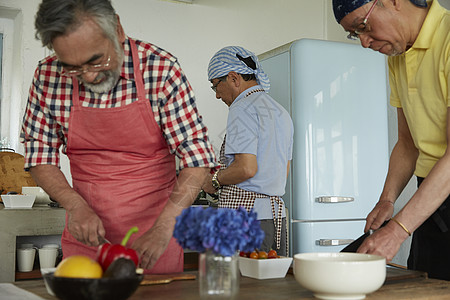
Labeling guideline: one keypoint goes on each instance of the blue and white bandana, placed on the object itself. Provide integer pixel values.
(230, 59)
(342, 8)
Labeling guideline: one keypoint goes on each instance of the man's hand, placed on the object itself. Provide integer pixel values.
(152, 244)
(386, 241)
(83, 222)
(207, 185)
(382, 212)
(85, 225)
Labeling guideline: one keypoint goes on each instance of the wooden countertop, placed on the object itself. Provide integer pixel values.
(400, 284)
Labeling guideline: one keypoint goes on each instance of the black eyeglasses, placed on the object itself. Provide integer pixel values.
(214, 87)
(362, 28)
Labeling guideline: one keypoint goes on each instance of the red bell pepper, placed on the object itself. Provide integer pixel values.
(107, 252)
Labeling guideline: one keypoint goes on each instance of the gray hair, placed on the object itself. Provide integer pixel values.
(59, 17)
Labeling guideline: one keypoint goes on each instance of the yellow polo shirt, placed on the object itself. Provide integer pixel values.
(420, 85)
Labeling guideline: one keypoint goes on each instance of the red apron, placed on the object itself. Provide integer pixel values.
(121, 165)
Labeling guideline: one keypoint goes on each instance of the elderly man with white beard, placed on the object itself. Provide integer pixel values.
(121, 109)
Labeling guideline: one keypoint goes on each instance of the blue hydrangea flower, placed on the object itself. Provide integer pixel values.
(222, 230)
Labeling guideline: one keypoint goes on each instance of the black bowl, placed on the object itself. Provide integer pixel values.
(66, 288)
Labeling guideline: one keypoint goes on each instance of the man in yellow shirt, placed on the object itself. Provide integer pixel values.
(415, 36)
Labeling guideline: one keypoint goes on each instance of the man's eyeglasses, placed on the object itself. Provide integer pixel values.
(214, 87)
(77, 71)
(362, 28)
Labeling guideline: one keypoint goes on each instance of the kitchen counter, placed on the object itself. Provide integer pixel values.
(400, 284)
(37, 221)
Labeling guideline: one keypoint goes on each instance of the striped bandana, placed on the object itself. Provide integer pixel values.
(342, 8)
(232, 59)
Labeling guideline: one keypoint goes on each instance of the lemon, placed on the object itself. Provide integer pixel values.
(79, 266)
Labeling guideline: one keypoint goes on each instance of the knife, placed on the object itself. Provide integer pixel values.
(353, 246)
(103, 240)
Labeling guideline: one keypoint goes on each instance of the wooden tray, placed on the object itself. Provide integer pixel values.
(166, 278)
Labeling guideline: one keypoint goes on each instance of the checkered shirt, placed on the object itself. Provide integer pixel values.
(46, 119)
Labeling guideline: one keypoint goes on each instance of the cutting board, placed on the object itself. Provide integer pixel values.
(396, 272)
(12, 175)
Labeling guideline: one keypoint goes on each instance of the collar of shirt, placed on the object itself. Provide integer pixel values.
(127, 66)
(431, 22)
(242, 95)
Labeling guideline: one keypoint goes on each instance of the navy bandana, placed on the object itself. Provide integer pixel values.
(420, 3)
(342, 8)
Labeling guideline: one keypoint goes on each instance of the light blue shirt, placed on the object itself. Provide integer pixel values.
(258, 125)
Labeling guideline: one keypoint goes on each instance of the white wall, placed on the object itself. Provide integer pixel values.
(191, 32)
(194, 32)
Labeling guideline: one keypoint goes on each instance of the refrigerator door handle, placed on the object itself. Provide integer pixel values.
(334, 199)
(333, 242)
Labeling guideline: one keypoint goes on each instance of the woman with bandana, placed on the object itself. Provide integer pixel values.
(258, 144)
(415, 34)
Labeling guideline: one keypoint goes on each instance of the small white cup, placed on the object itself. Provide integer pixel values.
(25, 259)
(25, 246)
(51, 246)
(47, 257)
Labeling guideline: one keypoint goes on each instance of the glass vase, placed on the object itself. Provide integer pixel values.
(218, 275)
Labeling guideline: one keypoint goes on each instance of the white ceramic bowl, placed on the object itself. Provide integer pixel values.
(18, 201)
(340, 275)
(264, 268)
(42, 198)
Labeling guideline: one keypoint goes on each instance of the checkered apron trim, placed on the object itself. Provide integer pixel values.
(231, 196)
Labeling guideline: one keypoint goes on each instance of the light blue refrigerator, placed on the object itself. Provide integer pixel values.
(337, 96)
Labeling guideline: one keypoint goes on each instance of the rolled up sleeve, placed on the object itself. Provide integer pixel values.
(40, 134)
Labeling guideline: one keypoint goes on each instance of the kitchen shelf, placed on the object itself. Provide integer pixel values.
(35, 274)
(38, 221)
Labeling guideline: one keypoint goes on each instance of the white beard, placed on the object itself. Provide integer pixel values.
(112, 77)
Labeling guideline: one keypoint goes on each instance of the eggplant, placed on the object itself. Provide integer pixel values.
(121, 268)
